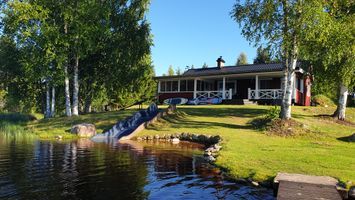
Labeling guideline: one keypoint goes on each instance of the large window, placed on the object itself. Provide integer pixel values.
(173, 86)
(168, 86)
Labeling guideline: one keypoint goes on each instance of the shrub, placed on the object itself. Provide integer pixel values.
(322, 100)
(273, 113)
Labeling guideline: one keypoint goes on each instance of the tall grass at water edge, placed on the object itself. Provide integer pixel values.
(14, 125)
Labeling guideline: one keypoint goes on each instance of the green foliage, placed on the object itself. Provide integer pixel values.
(111, 39)
(171, 71)
(273, 113)
(262, 56)
(242, 59)
(322, 100)
(16, 118)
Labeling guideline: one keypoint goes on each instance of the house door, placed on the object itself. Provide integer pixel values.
(242, 88)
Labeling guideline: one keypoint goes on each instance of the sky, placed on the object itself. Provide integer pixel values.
(194, 32)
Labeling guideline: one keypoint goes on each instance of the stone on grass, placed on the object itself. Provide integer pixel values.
(58, 137)
(175, 140)
(84, 130)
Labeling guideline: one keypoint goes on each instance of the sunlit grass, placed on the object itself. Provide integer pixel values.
(249, 153)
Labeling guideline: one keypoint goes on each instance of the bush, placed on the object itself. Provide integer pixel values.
(273, 113)
(322, 100)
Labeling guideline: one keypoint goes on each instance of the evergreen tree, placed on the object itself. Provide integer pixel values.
(204, 65)
(242, 59)
(262, 56)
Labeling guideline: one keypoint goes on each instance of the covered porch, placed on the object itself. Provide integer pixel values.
(240, 86)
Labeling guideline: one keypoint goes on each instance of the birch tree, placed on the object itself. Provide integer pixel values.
(278, 23)
(329, 42)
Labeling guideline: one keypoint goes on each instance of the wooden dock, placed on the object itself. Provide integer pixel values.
(305, 187)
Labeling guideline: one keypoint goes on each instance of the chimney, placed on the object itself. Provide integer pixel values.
(220, 62)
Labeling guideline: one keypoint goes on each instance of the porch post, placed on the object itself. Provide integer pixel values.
(195, 87)
(224, 88)
(179, 85)
(256, 86)
(159, 86)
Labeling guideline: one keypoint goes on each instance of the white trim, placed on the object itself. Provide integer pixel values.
(179, 85)
(224, 88)
(277, 74)
(257, 86)
(159, 86)
(195, 87)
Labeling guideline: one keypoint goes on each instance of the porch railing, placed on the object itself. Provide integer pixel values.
(215, 94)
(265, 94)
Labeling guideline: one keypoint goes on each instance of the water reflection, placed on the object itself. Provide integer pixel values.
(85, 170)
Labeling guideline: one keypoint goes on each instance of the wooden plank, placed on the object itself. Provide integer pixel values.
(321, 180)
(289, 190)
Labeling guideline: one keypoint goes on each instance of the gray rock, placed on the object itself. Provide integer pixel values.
(84, 130)
(215, 139)
(210, 158)
(175, 140)
(58, 137)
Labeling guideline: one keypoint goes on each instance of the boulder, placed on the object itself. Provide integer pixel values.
(175, 140)
(84, 130)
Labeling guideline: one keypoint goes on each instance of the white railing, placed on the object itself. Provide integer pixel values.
(265, 94)
(214, 94)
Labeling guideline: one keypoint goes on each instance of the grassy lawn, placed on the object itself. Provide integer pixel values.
(251, 153)
(49, 128)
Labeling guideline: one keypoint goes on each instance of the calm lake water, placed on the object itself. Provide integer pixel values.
(81, 169)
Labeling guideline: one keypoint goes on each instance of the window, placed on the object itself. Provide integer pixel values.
(183, 85)
(169, 86)
(174, 86)
(162, 86)
(190, 85)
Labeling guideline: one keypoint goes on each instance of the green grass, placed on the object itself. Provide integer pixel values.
(20, 125)
(249, 153)
(49, 128)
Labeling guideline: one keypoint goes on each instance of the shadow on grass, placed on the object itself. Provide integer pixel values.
(350, 138)
(179, 120)
(246, 112)
(102, 121)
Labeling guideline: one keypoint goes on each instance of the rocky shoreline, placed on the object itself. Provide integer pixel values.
(213, 143)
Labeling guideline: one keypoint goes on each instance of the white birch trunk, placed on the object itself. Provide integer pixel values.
(53, 102)
(343, 97)
(76, 87)
(287, 100)
(67, 92)
(47, 113)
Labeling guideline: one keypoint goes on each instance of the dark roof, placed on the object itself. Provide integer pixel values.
(241, 69)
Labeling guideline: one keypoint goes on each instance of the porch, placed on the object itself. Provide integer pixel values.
(252, 87)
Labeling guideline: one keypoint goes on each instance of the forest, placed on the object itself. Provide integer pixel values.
(62, 57)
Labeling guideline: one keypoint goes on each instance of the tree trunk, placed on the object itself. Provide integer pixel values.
(47, 113)
(343, 97)
(76, 87)
(53, 102)
(67, 92)
(88, 104)
(287, 100)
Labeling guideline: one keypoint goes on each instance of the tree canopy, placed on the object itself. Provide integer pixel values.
(242, 59)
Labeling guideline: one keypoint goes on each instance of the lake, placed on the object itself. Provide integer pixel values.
(81, 169)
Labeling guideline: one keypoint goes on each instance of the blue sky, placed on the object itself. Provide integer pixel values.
(192, 32)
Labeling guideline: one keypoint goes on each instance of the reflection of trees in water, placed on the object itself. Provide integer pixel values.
(71, 170)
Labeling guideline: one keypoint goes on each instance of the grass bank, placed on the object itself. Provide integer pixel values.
(250, 153)
(21, 125)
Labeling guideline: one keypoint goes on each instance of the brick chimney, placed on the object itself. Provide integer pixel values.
(220, 62)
